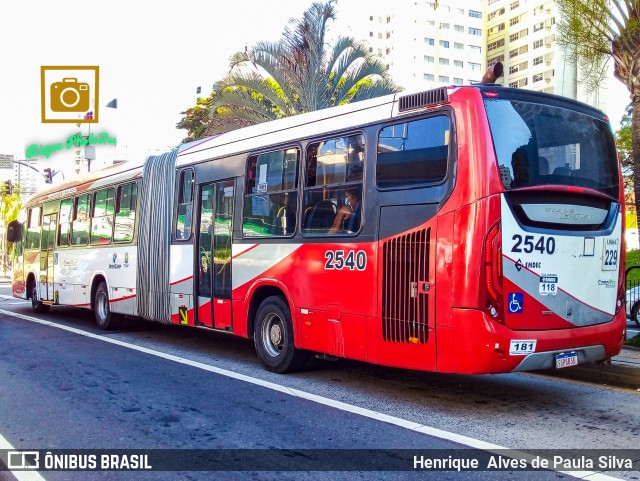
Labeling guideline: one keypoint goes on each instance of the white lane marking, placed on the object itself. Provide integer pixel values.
(2, 296)
(368, 413)
(19, 475)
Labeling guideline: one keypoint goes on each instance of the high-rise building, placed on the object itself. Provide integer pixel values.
(30, 180)
(522, 35)
(423, 46)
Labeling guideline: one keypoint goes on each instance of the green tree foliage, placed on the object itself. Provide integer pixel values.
(11, 204)
(299, 73)
(596, 31)
(195, 119)
(623, 141)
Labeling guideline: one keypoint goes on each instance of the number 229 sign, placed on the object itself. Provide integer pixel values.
(610, 255)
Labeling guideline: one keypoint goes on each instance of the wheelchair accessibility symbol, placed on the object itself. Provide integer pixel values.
(516, 301)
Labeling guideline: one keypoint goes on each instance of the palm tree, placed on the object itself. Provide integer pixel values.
(294, 75)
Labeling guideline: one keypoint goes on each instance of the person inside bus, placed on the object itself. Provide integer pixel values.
(543, 165)
(347, 218)
(520, 166)
(205, 274)
(355, 160)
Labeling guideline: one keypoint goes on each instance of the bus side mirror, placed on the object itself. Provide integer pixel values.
(493, 73)
(14, 231)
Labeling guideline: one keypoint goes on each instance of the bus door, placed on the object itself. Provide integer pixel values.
(47, 256)
(413, 160)
(213, 255)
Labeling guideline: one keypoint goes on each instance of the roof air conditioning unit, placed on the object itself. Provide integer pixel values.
(548, 44)
(548, 62)
(548, 80)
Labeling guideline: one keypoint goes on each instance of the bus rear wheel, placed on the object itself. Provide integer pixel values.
(36, 304)
(274, 337)
(105, 319)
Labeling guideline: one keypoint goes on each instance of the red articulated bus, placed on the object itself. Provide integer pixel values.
(473, 229)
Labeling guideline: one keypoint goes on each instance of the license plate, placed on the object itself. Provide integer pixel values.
(566, 360)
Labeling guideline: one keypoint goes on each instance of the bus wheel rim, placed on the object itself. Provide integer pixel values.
(101, 306)
(273, 334)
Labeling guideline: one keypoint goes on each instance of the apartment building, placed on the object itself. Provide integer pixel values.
(522, 35)
(30, 180)
(423, 46)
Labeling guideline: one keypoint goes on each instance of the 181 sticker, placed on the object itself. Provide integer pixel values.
(521, 347)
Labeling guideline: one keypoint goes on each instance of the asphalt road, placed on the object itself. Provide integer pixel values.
(61, 389)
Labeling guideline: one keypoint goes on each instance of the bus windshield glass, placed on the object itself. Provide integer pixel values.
(540, 144)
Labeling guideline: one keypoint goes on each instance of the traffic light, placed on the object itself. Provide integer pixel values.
(48, 175)
(7, 187)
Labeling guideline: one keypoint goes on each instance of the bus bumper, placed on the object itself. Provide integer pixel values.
(477, 344)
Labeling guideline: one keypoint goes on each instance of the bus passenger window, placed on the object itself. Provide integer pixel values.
(80, 224)
(64, 225)
(271, 197)
(125, 213)
(414, 153)
(102, 218)
(184, 213)
(333, 190)
(33, 229)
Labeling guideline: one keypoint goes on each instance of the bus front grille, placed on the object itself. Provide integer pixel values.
(405, 288)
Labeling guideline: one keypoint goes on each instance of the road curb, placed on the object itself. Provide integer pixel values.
(614, 374)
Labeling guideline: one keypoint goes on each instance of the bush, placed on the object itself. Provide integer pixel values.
(634, 341)
(633, 259)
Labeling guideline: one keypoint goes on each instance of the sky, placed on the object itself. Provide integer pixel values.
(152, 57)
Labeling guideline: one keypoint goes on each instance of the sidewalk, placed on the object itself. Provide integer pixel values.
(622, 371)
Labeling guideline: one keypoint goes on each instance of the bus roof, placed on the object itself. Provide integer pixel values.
(87, 181)
(289, 129)
(534, 96)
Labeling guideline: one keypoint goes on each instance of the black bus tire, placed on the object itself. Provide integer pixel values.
(274, 337)
(37, 305)
(105, 319)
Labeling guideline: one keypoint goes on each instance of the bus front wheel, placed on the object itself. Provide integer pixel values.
(274, 337)
(105, 319)
(36, 304)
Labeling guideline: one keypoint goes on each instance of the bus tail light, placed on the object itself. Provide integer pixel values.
(622, 285)
(493, 272)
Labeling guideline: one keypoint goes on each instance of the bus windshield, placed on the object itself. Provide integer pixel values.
(540, 144)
